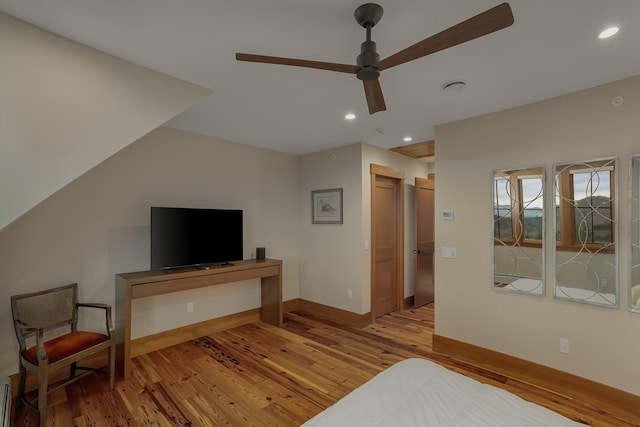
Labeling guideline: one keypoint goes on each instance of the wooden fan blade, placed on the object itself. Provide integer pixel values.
(343, 68)
(373, 92)
(485, 23)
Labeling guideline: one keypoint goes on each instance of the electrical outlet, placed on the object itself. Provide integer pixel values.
(350, 294)
(564, 345)
(189, 307)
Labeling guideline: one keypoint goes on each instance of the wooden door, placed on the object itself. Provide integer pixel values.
(387, 242)
(424, 252)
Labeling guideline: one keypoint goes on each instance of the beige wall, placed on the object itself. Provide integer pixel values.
(98, 226)
(334, 258)
(604, 342)
(65, 107)
(332, 255)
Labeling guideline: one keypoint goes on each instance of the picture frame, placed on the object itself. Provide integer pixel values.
(326, 206)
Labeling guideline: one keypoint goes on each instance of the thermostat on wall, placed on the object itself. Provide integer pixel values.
(447, 215)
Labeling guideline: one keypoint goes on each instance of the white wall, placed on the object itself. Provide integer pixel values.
(334, 258)
(604, 342)
(98, 226)
(65, 107)
(332, 255)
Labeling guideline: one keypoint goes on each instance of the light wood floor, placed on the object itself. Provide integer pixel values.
(260, 375)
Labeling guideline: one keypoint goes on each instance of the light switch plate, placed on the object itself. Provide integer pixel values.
(448, 252)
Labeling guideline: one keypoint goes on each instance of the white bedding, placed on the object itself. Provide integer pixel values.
(523, 284)
(417, 392)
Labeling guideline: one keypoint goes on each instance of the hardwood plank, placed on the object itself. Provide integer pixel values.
(166, 404)
(165, 339)
(259, 375)
(292, 405)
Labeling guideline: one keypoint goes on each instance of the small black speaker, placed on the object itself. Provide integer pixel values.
(260, 254)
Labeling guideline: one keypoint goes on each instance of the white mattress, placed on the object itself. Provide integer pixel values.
(417, 392)
(523, 284)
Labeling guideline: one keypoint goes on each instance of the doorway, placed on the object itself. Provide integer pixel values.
(387, 240)
(424, 235)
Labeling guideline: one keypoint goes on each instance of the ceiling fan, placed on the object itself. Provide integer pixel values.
(368, 65)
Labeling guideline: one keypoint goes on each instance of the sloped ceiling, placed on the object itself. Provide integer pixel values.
(551, 49)
(65, 107)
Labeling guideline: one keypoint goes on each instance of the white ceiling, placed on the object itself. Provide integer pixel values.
(551, 49)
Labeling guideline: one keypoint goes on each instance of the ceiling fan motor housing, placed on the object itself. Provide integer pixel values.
(367, 58)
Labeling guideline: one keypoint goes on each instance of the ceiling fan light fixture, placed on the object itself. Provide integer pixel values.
(454, 86)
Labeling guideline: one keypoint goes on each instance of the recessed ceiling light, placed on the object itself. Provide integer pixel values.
(454, 85)
(407, 139)
(609, 32)
(349, 116)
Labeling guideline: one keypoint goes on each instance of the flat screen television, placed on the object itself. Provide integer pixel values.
(191, 236)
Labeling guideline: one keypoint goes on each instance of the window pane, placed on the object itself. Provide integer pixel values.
(593, 214)
(532, 206)
(502, 209)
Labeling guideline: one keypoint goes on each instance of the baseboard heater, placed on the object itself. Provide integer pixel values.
(5, 401)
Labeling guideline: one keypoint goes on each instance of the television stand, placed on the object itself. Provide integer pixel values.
(141, 284)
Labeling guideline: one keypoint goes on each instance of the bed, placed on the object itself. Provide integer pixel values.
(418, 392)
(521, 284)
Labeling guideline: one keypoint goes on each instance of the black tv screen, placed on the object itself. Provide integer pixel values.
(189, 236)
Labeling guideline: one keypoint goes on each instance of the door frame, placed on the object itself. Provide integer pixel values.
(398, 177)
(426, 182)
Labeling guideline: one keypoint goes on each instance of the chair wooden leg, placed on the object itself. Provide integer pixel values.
(112, 366)
(22, 381)
(72, 370)
(43, 386)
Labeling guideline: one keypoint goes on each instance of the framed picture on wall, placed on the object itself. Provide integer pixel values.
(326, 206)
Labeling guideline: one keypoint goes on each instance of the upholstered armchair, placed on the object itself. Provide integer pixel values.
(35, 317)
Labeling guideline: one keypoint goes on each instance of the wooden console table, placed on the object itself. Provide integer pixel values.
(141, 284)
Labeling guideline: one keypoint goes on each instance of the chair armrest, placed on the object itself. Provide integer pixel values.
(106, 308)
(26, 327)
(93, 305)
(39, 332)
